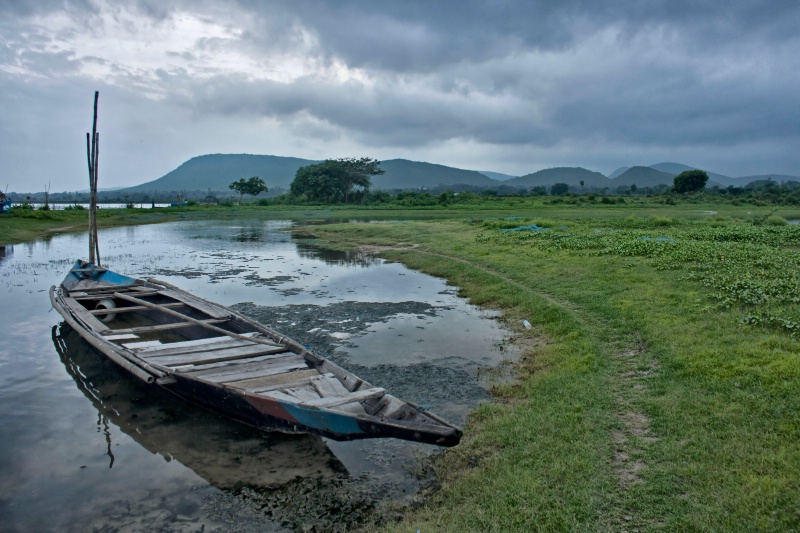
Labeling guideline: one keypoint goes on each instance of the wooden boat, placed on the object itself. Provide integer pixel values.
(218, 449)
(220, 359)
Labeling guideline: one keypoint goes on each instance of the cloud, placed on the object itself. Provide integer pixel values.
(511, 86)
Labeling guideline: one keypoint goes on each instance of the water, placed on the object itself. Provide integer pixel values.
(85, 446)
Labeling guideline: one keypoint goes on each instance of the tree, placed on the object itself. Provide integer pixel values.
(559, 188)
(254, 186)
(690, 180)
(334, 178)
(357, 173)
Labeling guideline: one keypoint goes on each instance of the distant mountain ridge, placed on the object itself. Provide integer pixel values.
(216, 172)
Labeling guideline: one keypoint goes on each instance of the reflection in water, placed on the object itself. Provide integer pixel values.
(307, 250)
(5, 252)
(225, 453)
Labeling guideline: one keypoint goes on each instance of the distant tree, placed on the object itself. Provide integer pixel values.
(634, 188)
(320, 182)
(335, 178)
(690, 180)
(581, 186)
(254, 186)
(559, 188)
(358, 173)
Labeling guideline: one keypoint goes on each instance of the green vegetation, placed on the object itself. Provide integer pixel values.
(253, 186)
(690, 181)
(660, 386)
(334, 180)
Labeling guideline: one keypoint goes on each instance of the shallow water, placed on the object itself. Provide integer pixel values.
(85, 446)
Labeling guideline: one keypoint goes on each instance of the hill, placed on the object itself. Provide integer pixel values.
(572, 176)
(405, 174)
(617, 172)
(497, 175)
(713, 177)
(641, 177)
(217, 171)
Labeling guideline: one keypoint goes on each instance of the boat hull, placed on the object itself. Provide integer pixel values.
(231, 364)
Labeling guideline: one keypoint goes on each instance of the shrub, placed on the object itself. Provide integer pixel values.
(776, 220)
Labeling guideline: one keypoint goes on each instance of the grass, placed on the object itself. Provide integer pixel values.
(649, 398)
(660, 387)
(24, 226)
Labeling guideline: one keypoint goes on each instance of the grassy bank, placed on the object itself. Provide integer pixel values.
(23, 226)
(661, 385)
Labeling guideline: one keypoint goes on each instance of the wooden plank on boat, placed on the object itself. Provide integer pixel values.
(302, 380)
(228, 354)
(303, 393)
(165, 327)
(360, 396)
(198, 353)
(132, 308)
(203, 323)
(201, 345)
(118, 338)
(83, 314)
(271, 370)
(253, 385)
(329, 386)
(198, 303)
(108, 294)
(241, 365)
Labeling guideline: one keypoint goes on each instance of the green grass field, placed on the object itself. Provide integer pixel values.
(660, 389)
(660, 385)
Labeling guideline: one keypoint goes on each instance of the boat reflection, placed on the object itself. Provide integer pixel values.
(227, 454)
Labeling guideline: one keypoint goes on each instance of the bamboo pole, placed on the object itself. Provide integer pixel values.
(92, 149)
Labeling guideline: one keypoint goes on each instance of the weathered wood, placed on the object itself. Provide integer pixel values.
(198, 322)
(189, 369)
(298, 382)
(167, 327)
(304, 394)
(329, 386)
(278, 379)
(271, 370)
(358, 396)
(236, 366)
(83, 314)
(199, 346)
(104, 295)
(216, 356)
(197, 303)
(131, 309)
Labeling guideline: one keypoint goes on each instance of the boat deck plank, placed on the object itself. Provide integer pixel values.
(201, 305)
(198, 345)
(358, 396)
(216, 356)
(327, 385)
(222, 364)
(253, 385)
(164, 327)
(271, 370)
(243, 366)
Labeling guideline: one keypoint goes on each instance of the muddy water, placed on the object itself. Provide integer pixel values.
(83, 446)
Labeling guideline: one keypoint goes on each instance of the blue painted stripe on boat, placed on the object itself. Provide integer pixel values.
(327, 420)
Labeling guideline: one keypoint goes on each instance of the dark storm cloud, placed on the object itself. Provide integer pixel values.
(420, 35)
(574, 82)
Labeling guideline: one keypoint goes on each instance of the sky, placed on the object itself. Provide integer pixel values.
(504, 86)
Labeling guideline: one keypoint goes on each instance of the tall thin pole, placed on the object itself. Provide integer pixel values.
(92, 152)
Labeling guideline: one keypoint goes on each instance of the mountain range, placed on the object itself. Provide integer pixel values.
(215, 172)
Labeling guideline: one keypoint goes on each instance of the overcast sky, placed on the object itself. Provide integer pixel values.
(506, 86)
